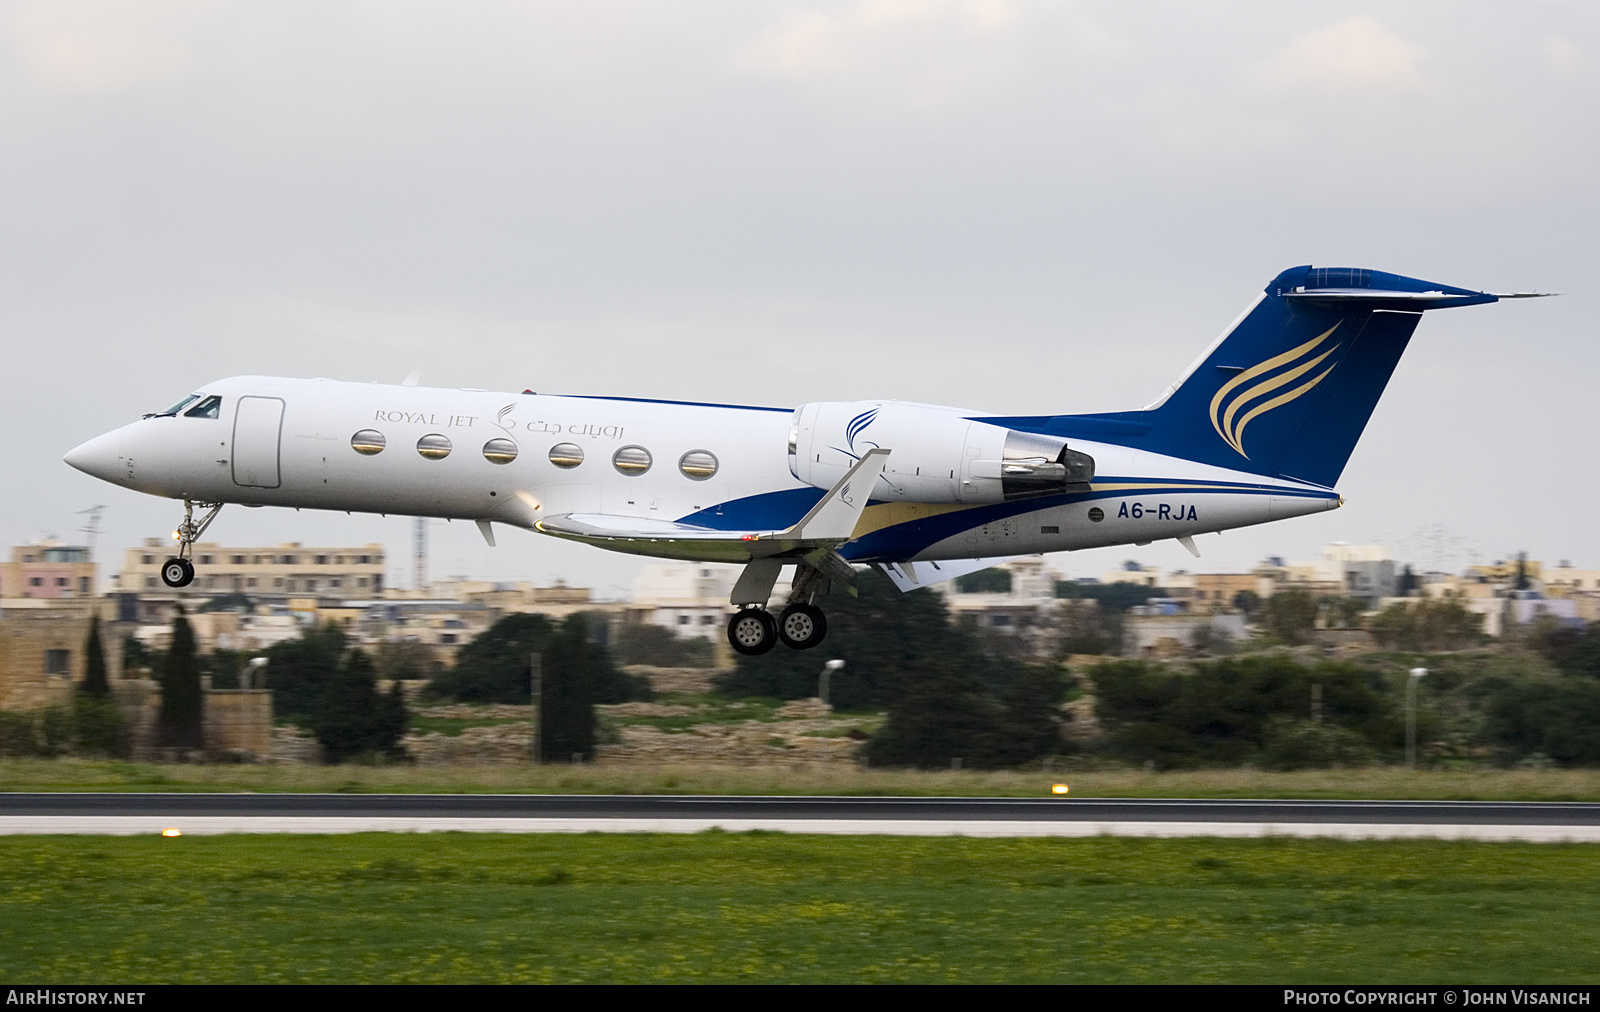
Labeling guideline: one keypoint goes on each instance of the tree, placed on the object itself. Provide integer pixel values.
(494, 667)
(352, 719)
(941, 712)
(94, 662)
(1289, 615)
(298, 669)
(1408, 582)
(880, 634)
(96, 717)
(566, 713)
(178, 725)
(647, 643)
(1030, 718)
(1555, 718)
(1221, 712)
(1427, 625)
(1247, 601)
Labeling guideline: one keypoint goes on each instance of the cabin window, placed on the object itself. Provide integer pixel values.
(434, 446)
(499, 451)
(368, 442)
(631, 460)
(566, 455)
(698, 464)
(211, 407)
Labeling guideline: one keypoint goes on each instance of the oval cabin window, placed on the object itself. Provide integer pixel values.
(368, 442)
(631, 460)
(434, 446)
(566, 455)
(698, 464)
(499, 451)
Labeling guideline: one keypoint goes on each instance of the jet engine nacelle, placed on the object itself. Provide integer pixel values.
(938, 454)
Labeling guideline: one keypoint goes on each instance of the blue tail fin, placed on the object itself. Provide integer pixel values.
(1287, 391)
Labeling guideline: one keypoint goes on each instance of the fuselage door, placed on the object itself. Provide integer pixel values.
(257, 429)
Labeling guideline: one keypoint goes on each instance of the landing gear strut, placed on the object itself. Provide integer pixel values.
(178, 571)
(800, 626)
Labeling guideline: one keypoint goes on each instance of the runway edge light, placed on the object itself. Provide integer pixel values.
(1058, 788)
(171, 831)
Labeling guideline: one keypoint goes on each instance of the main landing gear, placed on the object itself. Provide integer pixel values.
(800, 626)
(178, 571)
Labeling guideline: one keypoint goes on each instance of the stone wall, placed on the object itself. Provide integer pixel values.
(688, 681)
(238, 722)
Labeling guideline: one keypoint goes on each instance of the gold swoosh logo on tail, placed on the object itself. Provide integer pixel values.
(1229, 401)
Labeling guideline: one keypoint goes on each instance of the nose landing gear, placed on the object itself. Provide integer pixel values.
(178, 571)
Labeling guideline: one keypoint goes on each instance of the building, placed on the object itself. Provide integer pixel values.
(690, 598)
(283, 571)
(50, 570)
(42, 652)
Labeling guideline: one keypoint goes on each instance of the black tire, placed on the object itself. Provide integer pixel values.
(752, 632)
(177, 572)
(802, 626)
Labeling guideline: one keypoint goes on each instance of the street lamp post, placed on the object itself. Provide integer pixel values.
(536, 691)
(1417, 675)
(822, 680)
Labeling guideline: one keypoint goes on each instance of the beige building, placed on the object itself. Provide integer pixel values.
(42, 652)
(48, 569)
(286, 570)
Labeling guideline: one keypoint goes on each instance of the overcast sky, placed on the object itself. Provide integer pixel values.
(1018, 207)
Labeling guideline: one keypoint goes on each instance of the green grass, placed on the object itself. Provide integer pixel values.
(772, 907)
(801, 778)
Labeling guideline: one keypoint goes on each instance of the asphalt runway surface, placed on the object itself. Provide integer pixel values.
(530, 813)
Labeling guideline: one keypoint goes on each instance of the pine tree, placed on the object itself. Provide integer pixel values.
(96, 717)
(569, 669)
(352, 719)
(94, 667)
(178, 725)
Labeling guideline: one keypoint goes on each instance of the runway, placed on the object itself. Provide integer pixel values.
(204, 814)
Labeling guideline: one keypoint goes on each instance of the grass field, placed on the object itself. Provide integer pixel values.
(89, 775)
(773, 907)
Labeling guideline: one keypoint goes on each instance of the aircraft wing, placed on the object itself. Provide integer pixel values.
(911, 575)
(830, 523)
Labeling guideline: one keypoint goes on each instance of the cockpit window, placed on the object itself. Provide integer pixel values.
(176, 407)
(208, 408)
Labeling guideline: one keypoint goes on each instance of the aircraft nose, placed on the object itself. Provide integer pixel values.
(99, 457)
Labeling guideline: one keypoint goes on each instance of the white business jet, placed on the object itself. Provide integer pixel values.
(1259, 428)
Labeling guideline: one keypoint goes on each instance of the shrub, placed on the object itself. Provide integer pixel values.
(644, 643)
(1427, 625)
(1301, 744)
(19, 735)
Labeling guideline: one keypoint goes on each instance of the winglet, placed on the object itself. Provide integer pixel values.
(834, 516)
